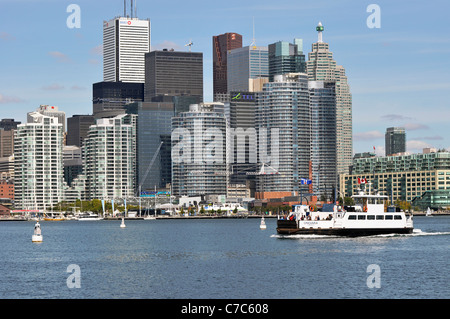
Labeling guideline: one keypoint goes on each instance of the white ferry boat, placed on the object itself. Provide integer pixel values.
(88, 216)
(367, 217)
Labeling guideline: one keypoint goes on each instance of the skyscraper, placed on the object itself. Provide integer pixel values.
(323, 137)
(283, 105)
(395, 140)
(322, 67)
(173, 73)
(110, 158)
(285, 57)
(125, 42)
(246, 64)
(38, 167)
(77, 129)
(153, 127)
(199, 164)
(109, 98)
(221, 45)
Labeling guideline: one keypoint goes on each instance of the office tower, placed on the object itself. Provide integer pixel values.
(199, 152)
(154, 166)
(38, 167)
(323, 138)
(244, 64)
(73, 163)
(8, 124)
(322, 67)
(52, 111)
(221, 45)
(285, 57)
(77, 129)
(240, 113)
(172, 73)
(125, 42)
(283, 110)
(109, 98)
(395, 140)
(6, 142)
(110, 158)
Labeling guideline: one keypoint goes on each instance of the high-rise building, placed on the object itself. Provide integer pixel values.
(246, 64)
(240, 113)
(8, 124)
(73, 163)
(283, 110)
(199, 165)
(221, 45)
(285, 57)
(110, 158)
(125, 42)
(77, 129)
(173, 73)
(154, 166)
(395, 140)
(109, 98)
(38, 166)
(323, 138)
(52, 111)
(322, 67)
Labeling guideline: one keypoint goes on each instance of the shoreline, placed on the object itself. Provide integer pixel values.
(160, 217)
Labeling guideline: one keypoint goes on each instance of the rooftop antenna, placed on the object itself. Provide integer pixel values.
(190, 44)
(132, 9)
(124, 8)
(135, 8)
(253, 44)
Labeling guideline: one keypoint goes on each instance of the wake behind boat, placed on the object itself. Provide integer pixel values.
(367, 217)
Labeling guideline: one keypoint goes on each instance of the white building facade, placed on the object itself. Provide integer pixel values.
(125, 42)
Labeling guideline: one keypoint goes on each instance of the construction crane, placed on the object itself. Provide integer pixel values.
(190, 44)
(148, 168)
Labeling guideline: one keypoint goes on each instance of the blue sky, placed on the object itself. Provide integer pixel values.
(399, 74)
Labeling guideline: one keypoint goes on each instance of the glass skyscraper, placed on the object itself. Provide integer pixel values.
(246, 63)
(199, 164)
(285, 57)
(323, 137)
(153, 127)
(322, 67)
(283, 106)
(395, 140)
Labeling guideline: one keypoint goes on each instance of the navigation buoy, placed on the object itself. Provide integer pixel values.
(123, 223)
(37, 235)
(263, 223)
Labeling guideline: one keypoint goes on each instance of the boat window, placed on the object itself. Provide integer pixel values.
(397, 216)
(380, 217)
(371, 217)
(353, 217)
(361, 217)
(388, 217)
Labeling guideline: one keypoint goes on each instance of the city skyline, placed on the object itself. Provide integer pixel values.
(397, 73)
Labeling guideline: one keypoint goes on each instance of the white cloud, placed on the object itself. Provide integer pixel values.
(59, 56)
(367, 136)
(166, 44)
(53, 87)
(415, 126)
(9, 99)
(416, 146)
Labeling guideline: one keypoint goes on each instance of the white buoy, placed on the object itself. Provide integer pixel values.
(37, 235)
(263, 223)
(123, 223)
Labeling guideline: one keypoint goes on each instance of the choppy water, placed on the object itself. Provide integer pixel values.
(223, 258)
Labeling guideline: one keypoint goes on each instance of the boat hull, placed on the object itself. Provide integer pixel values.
(36, 238)
(290, 228)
